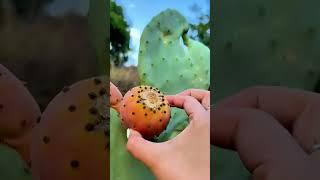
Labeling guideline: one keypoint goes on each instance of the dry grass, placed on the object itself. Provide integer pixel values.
(124, 78)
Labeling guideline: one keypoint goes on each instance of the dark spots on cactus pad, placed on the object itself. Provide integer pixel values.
(147, 42)
(273, 43)
(89, 127)
(92, 95)
(163, 59)
(72, 108)
(97, 81)
(65, 89)
(167, 32)
(74, 164)
(311, 33)
(262, 11)
(228, 45)
(46, 139)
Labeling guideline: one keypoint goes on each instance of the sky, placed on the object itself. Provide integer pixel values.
(139, 12)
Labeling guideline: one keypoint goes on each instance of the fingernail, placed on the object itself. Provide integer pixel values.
(128, 133)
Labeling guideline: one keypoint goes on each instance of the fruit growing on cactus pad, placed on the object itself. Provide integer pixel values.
(71, 141)
(145, 109)
(115, 96)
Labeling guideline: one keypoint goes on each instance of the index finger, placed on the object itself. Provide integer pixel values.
(188, 103)
(201, 95)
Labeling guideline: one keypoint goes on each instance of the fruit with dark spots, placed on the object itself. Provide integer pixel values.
(71, 141)
(18, 113)
(146, 110)
(115, 96)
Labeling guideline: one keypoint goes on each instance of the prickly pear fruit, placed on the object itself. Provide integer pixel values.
(115, 96)
(18, 113)
(169, 59)
(71, 142)
(12, 165)
(145, 109)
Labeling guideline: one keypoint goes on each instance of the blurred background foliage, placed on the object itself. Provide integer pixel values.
(44, 49)
(120, 35)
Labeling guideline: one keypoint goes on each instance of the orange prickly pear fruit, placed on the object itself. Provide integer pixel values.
(71, 142)
(18, 113)
(145, 109)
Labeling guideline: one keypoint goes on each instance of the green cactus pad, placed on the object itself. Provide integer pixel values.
(168, 59)
(178, 121)
(12, 166)
(123, 165)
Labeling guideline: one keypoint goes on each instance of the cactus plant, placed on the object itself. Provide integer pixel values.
(12, 166)
(172, 62)
(18, 111)
(169, 59)
(123, 165)
(71, 140)
(145, 109)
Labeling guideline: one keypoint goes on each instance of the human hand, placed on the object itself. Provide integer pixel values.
(273, 129)
(187, 156)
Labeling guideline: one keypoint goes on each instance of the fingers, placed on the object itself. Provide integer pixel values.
(256, 135)
(201, 95)
(283, 103)
(188, 103)
(141, 149)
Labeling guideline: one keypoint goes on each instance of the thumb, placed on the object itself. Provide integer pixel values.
(142, 149)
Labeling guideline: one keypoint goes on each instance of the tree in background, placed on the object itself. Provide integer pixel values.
(201, 30)
(119, 35)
